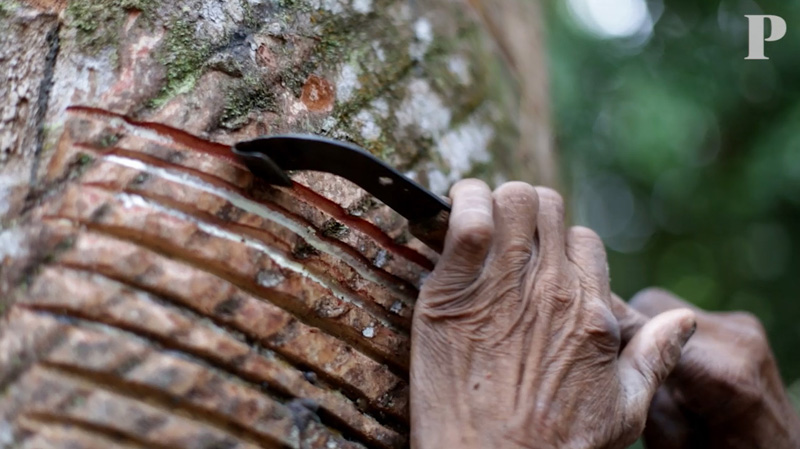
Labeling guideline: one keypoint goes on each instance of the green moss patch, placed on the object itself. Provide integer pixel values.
(184, 57)
(98, 22)
(250, 94)
(7, 6)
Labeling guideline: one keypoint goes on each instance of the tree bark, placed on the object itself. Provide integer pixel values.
(153, 293)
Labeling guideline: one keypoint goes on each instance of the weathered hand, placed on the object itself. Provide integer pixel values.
(726, 392)
(514, 343)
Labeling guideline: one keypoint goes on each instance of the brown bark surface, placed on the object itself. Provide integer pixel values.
(154, 294)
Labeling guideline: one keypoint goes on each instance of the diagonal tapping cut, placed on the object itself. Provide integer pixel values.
(404, 291)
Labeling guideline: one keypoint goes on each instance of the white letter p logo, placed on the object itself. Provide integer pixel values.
(756, 37)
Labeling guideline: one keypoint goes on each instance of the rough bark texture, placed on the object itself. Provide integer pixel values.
(153, 293)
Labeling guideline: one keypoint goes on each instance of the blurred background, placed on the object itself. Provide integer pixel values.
(684, 156)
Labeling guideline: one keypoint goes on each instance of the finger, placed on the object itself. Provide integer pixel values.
(515, 208)
(651, 355)
(629, 319)
(550, 223)
(470, 230)
(667, 427)
(652, 301)
(587, 253)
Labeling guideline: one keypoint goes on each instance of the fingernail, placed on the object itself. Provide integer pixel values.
(688, 328)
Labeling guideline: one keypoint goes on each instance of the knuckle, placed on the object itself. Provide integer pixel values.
(747, 328)
(748, 320)
(733, 392)
(473, 235)
(550, 197)
(445, 282)
(467, 186)
(553, 292)
(602, 327)
(518, 247)
(437, 302)
(458, 301)
(582, 234)
(516, 190)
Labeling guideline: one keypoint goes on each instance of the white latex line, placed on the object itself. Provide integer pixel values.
(307, 232)
(250, 206)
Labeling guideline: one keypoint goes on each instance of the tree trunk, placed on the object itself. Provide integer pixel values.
(153, 293)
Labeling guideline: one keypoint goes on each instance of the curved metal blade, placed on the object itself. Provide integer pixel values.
(269, 157)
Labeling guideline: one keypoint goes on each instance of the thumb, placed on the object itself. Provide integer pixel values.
(651, 355)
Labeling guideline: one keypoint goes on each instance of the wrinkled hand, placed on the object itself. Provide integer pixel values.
(514, 343)
(726, 392)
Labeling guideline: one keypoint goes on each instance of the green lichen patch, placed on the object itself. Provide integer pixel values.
(7, 7)
(243, 97)
(227, 64)
(108, 140)
(289, 4)
(139, 180)
(184, 57)
(335, 41)
(98, 22)
(61, 247)
(377, 49)
(295, 78)
(334, 229)
(84, 159)
(250, 14)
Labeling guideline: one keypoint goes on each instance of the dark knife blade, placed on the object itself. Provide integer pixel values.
(270, 157)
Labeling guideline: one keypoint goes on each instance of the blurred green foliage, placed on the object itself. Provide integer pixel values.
(685, 157)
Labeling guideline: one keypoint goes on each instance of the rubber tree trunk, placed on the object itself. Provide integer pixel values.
(155, 295)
